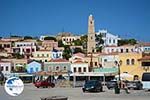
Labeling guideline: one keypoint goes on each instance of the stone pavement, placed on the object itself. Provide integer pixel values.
(32, 93)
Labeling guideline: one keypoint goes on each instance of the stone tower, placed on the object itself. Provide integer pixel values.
(91, 35)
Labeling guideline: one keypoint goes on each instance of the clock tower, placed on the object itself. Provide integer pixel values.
(91, 35)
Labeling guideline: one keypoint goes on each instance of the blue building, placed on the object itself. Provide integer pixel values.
(56, 54)
(33, 66)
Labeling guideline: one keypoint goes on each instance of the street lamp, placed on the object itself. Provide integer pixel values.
(119, 63)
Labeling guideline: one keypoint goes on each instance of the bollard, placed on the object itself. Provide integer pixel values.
(117, 89)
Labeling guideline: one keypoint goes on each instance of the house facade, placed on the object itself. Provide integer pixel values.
(49, 44)
(107, 60)
(56, 54)
(18, 65)
(6, 68)
(67, 40)
(109, 39)
(57, 66)
(25, 48)
(33, 67)
(5, 46)
(119, 49)
(130, 63)
(79, 66)
(41, 55)
(145, 63)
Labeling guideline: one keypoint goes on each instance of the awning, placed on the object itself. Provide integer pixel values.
(106, 70)
(87, 74)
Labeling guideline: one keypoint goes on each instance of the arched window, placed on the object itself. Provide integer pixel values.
(64, 67)
(132, 61)
(128, 62)
(57, 68)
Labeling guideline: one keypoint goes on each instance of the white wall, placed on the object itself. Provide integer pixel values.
(77, 65)
(6, 64)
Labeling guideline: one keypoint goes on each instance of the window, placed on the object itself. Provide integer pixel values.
(131, 50)
(132, 61)
(84, 69)
(128, 62)
(64, 67)
(31, 70)
(95, 63)
(57, 68)
(105, 60)
(47, 55)
(127, 50)
(75, 70)
(37, 55)
(32, 50)
(114, 41)
(79, 69)
(6, 68)
(91, 37)
(12, 68)
(37, 69)
(112, 50)
(45, 60)
(109, 40)
(1, 68)
(121, 50)
(42, 55)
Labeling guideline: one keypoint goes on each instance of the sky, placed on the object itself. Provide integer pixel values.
(126, 18)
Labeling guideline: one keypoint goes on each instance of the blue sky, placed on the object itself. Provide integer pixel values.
(127, 18)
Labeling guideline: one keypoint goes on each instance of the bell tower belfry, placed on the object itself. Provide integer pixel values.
(91, 35)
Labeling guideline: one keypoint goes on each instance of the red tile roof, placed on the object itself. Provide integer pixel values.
(113, 53)
(59, 60)
(78, 61)
(145, 58)
(79, 54)
(146, 44)
(112, 46)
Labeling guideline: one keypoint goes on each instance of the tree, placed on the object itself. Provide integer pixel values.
(60, 44)
(15, 36)
(100, 42)
(77, 42)
(50, 38)
(17, 55)
(127, 41)
(77, 50)
(27, 37)
(67, 52)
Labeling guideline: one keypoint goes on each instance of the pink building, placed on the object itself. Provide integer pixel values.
(49, 44)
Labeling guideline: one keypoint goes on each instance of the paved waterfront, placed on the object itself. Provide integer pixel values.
(32, 93)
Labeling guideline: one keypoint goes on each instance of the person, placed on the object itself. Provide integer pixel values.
(126, 88)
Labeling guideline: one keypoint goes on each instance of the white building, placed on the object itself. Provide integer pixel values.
(107, 60)
(143, 47)
(78, 64)
(56, 54)
(6, 67)
(79, 67)
(42, 55)
(67, 40)
(109, 39)
(119, 49)
(24, 47)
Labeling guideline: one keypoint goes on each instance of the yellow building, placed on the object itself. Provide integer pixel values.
(131, 64)
(42, 55)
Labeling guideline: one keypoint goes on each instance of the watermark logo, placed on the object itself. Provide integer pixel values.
(14, 86)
